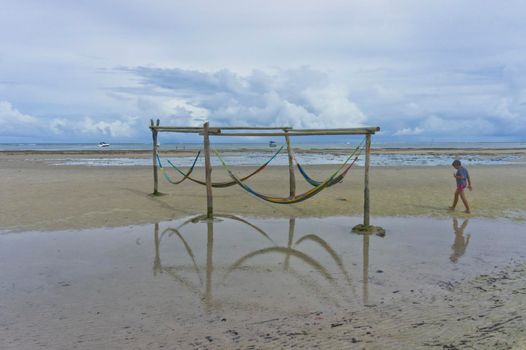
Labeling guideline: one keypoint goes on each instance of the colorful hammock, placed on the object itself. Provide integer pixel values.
(317, 183)
(226, 183)
(295, 199)
(185, 176)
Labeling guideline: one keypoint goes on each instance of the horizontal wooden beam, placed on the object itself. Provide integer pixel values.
(305, 132)
(217, 131)
(183, 130)
(175, 127)
(255, 128)
(199, 128)
(368, 130)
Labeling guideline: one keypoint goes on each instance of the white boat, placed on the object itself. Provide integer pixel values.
(103, 144)
(272, 144)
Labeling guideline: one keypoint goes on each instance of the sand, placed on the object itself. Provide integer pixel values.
(36, 195)
(82, 269)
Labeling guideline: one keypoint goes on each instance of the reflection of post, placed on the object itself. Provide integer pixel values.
(365, 269)
(292, 225)
(157, 260)
(209, 263)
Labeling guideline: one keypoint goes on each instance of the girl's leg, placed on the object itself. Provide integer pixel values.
(465, 201)
(455, 201)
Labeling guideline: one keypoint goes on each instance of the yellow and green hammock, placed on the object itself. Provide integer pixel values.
(331, 180)
(315, 183)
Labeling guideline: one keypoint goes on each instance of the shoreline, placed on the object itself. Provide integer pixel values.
(173, 152)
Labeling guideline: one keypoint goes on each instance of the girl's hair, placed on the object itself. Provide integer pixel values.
(456, 162)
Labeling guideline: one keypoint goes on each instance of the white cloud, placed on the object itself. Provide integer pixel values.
(115, 128)
(452, 128)
(58, 125)
(13, 122)
(409, 132)
(10, 116)
(16, 123)
(302, 97)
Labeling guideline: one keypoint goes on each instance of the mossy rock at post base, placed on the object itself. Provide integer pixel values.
(156, 194)
(362, 229)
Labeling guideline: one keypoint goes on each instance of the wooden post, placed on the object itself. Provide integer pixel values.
(154, 159)
(208, 173)
(366, 181)
(292, 178)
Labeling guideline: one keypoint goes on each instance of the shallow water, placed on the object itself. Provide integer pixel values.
(258, 158)
(92, 286)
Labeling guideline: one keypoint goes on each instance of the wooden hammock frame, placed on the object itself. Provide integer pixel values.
(206, 131)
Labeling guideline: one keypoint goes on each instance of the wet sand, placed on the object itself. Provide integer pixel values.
(36, 195)
(243, 282)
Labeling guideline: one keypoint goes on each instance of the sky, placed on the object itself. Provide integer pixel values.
(91, 70)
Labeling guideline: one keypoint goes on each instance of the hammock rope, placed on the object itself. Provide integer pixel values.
(185, 175)
(298, 198)
(317, 183)
(226, 183)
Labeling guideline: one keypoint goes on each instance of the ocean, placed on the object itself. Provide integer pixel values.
(252, 154)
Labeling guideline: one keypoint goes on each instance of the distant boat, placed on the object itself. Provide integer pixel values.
(272, 144)
(103, 144)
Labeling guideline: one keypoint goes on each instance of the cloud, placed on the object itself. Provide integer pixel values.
(115, 128)
(409, 131)
(450, 127)
(503, 110)
(301, 97)
(15, 123)
(451, 104)
(58, 125)
(415, 68)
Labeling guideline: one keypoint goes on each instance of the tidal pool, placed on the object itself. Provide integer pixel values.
(193, 283)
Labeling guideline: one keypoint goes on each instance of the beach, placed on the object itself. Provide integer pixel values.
(91, 259)
(38, 195)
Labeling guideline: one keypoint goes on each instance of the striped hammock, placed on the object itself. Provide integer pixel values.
(185, 175)
(219, 184)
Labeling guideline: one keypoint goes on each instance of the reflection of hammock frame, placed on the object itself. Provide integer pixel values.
(214, 184)
(287, 251)
(331, 180)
